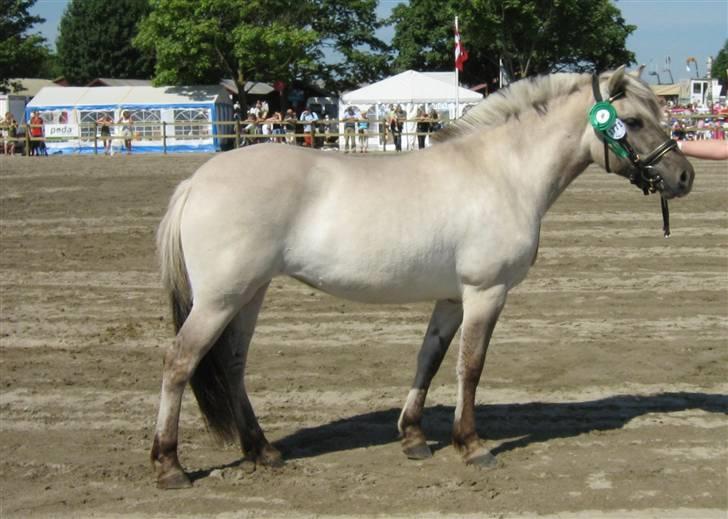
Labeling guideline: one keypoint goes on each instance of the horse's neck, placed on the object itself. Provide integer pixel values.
(551, 152)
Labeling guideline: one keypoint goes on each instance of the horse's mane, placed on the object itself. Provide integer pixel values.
(533, 93)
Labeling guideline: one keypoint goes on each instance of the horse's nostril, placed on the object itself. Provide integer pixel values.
(684, 177)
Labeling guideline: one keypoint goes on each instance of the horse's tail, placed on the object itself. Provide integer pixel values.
(209, 382)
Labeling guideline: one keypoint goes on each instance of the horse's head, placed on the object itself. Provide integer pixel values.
(626, 136)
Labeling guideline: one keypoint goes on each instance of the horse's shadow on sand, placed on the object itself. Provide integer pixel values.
(524, 424)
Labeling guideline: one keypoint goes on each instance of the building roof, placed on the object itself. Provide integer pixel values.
(666, 90)
(31, 86)
(255, 88)
(106, 81)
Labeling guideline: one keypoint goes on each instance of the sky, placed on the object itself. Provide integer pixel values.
(677, 29)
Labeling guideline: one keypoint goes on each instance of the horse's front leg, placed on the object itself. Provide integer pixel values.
(481, 310)
(444, 323)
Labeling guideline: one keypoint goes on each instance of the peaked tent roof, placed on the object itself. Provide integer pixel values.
(129, 95)
(410, 86)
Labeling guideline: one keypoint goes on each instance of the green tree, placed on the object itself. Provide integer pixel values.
(95, 37)
(21, 54)
(530, 36)
(263, 40)
(719, 69)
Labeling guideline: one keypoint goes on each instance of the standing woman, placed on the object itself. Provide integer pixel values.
(36, 134)
(423, 126)
(11, 133)
(127, 129)
(105, 122)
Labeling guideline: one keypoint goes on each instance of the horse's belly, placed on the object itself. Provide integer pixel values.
(356, 282)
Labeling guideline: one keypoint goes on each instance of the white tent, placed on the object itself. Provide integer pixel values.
(70, 113)
(410, 89)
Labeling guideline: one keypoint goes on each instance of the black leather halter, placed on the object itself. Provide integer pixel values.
(641, 174)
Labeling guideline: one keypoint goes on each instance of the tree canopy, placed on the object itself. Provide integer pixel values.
(95, 37)
(21, 54)
(719, 70)
(264, 40)
(530, 36)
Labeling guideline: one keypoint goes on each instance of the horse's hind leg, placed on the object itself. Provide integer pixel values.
(198, 333)
(255, 446)
(444, 323)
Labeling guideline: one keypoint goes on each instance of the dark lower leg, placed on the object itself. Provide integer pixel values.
(445, 321)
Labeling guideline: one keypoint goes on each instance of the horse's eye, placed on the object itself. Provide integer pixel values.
(632, 123)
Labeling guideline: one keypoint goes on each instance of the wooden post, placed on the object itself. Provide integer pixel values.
(237, 133)
(96, 140)
(27, 140)
(164, 136)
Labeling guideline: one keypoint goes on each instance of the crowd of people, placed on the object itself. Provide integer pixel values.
(691, 123)
(312, 129)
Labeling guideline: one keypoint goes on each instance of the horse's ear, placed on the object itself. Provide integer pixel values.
(637, 74)
(616, 81)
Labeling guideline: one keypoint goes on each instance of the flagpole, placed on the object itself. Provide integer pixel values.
(457, 78)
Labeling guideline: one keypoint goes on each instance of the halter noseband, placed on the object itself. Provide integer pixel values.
(641, 174)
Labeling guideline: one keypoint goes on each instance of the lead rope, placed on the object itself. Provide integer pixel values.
(665, 217)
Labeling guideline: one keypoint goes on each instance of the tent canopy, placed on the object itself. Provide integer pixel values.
(410, 87)
(129, 95)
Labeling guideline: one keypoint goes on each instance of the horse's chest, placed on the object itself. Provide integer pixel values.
(503, 256)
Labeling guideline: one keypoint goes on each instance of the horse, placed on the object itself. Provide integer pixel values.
(457, 223)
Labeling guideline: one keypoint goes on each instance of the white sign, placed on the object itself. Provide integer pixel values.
(61, 130)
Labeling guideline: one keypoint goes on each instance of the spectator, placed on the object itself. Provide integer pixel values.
(363, 129)
(383, 132)
(435, 124)
(250, 129)
(290, 121)
(276, 122)
(396, 124)
(36, 134)
(105, 122)
(308, 117)
(127, 129)
(349, 130)
(256, 110)
(10, 133)
(423, 126)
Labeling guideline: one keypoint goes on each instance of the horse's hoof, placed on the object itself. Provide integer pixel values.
(421, 451)
(270, 457)
(273, 462)
(173, 480)
(247, 465)
(482, 459)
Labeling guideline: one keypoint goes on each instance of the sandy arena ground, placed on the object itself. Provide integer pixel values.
(605, 393)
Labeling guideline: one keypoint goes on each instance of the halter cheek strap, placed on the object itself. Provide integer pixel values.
(641, 173)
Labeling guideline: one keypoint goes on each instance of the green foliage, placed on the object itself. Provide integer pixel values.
(95, 40)
(720, 65)
(204, 41)
(530, 36)
(21, 54)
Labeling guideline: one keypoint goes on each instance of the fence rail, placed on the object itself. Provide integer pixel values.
(239, 133)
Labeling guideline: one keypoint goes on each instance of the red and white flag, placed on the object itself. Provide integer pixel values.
(461, 55)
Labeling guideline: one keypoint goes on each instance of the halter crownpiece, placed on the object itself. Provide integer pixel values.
(613, 133)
